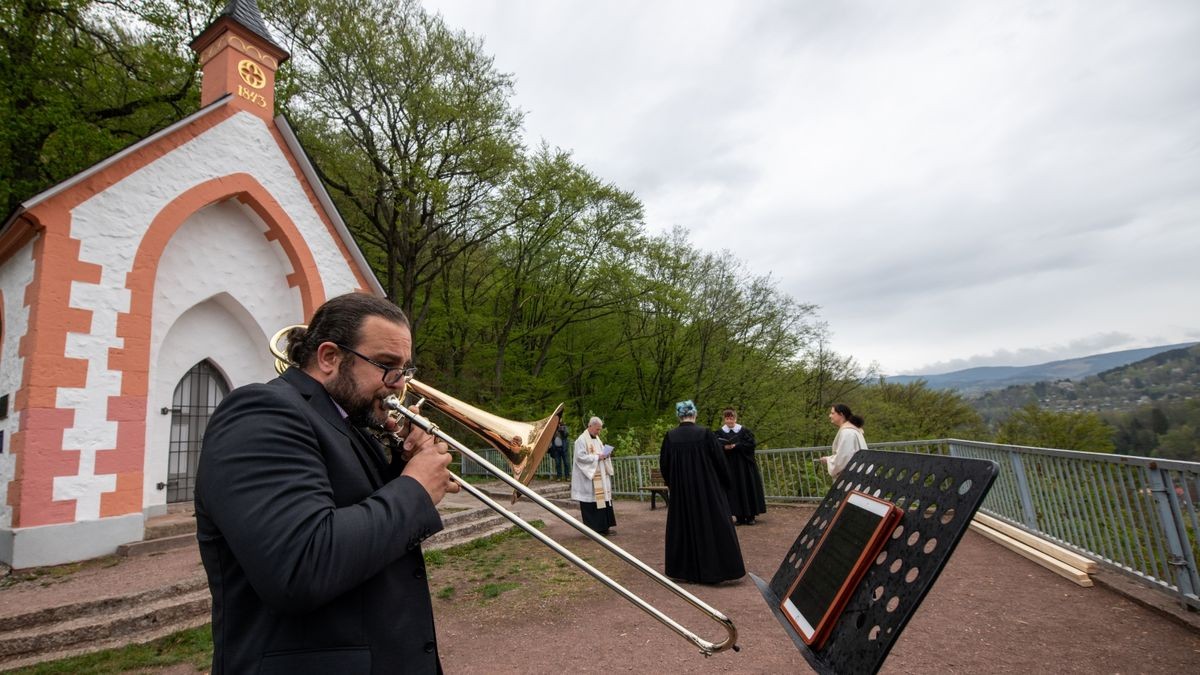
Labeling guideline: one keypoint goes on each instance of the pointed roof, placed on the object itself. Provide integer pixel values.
(244, 13)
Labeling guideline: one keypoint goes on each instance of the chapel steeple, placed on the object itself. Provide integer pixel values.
(239, 57)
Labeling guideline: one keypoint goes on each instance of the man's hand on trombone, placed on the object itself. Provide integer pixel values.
(427, 459)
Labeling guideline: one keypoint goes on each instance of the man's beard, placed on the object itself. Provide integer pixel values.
(360, 410)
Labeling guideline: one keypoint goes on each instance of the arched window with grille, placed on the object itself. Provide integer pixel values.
(196, 397)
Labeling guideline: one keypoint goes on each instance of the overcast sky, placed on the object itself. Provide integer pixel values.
(955, 183)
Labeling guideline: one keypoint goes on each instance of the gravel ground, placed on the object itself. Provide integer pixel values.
(990, 611)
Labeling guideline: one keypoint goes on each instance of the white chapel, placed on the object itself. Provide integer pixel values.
(137, 293)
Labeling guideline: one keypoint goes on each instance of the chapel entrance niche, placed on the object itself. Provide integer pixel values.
(196, 397)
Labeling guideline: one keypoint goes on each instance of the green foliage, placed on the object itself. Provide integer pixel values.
(822, 378)
(1182, 442)
(1164, 429)
(411, 128)
(83, 80)
(642, 439)
(1066, 431)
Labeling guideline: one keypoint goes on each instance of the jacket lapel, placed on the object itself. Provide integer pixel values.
(316, 395)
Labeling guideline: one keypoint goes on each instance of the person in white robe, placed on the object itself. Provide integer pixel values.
(591, 479)
(848, 441)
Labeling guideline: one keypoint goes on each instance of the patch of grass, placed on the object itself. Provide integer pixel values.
(435, 557)
(484, 569)
(445, 593)
(490, 591)
(192, 646)
(488, 543)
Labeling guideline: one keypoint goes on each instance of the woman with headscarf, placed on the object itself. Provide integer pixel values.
(701, 545)
(847, 442)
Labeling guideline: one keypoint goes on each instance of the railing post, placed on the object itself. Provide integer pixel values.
(638, 468)
(1171, 521)
(1030, 513)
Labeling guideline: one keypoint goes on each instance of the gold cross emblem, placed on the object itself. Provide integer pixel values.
(252, 74)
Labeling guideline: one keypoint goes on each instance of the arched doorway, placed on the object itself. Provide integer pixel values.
(196, 396)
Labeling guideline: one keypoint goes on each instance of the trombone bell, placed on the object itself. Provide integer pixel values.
(278, 347)
(523, 444)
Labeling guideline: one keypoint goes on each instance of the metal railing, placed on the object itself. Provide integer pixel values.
(1133, 515)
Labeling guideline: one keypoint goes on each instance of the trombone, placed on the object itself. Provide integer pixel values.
(523, 446)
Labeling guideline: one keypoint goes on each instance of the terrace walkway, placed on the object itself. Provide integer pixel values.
(990, 611)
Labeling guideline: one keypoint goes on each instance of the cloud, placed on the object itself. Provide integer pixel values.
(951, 182)
(1094, 344)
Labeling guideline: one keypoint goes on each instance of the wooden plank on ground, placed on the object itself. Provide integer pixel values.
(1051, 549)
(1053, 564)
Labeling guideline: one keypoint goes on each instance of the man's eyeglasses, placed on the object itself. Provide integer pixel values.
(392, 375)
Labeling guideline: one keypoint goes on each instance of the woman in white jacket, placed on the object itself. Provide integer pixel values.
(849, 439)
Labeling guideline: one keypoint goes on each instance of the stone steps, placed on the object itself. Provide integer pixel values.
(483, 523)
(464, 526)
(163, 533)
(91, 626)
(108, 605)
(157, 545)
(480, 521)
(88, 626)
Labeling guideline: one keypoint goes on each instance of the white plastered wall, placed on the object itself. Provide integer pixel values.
(110, 227)
(220, 292)
(15, 276)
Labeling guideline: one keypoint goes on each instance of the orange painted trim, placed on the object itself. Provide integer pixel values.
(310, 192)
(107, 177)
(37, 445)
(134, 326)
(16, 236)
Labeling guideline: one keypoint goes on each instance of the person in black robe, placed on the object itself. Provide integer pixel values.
(701, 544)
(746, 498)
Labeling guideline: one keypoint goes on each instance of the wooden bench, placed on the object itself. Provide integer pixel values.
(656, 488)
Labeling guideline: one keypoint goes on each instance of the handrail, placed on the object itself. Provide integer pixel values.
(1136, 516)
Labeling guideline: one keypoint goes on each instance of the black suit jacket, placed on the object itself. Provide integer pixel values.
(313, 556)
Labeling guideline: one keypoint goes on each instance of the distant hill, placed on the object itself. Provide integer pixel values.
(974, 382)
(1166, 378)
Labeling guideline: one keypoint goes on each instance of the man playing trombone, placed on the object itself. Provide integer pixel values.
(309, 531)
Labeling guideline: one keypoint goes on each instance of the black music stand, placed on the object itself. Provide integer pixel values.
(939, 496)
